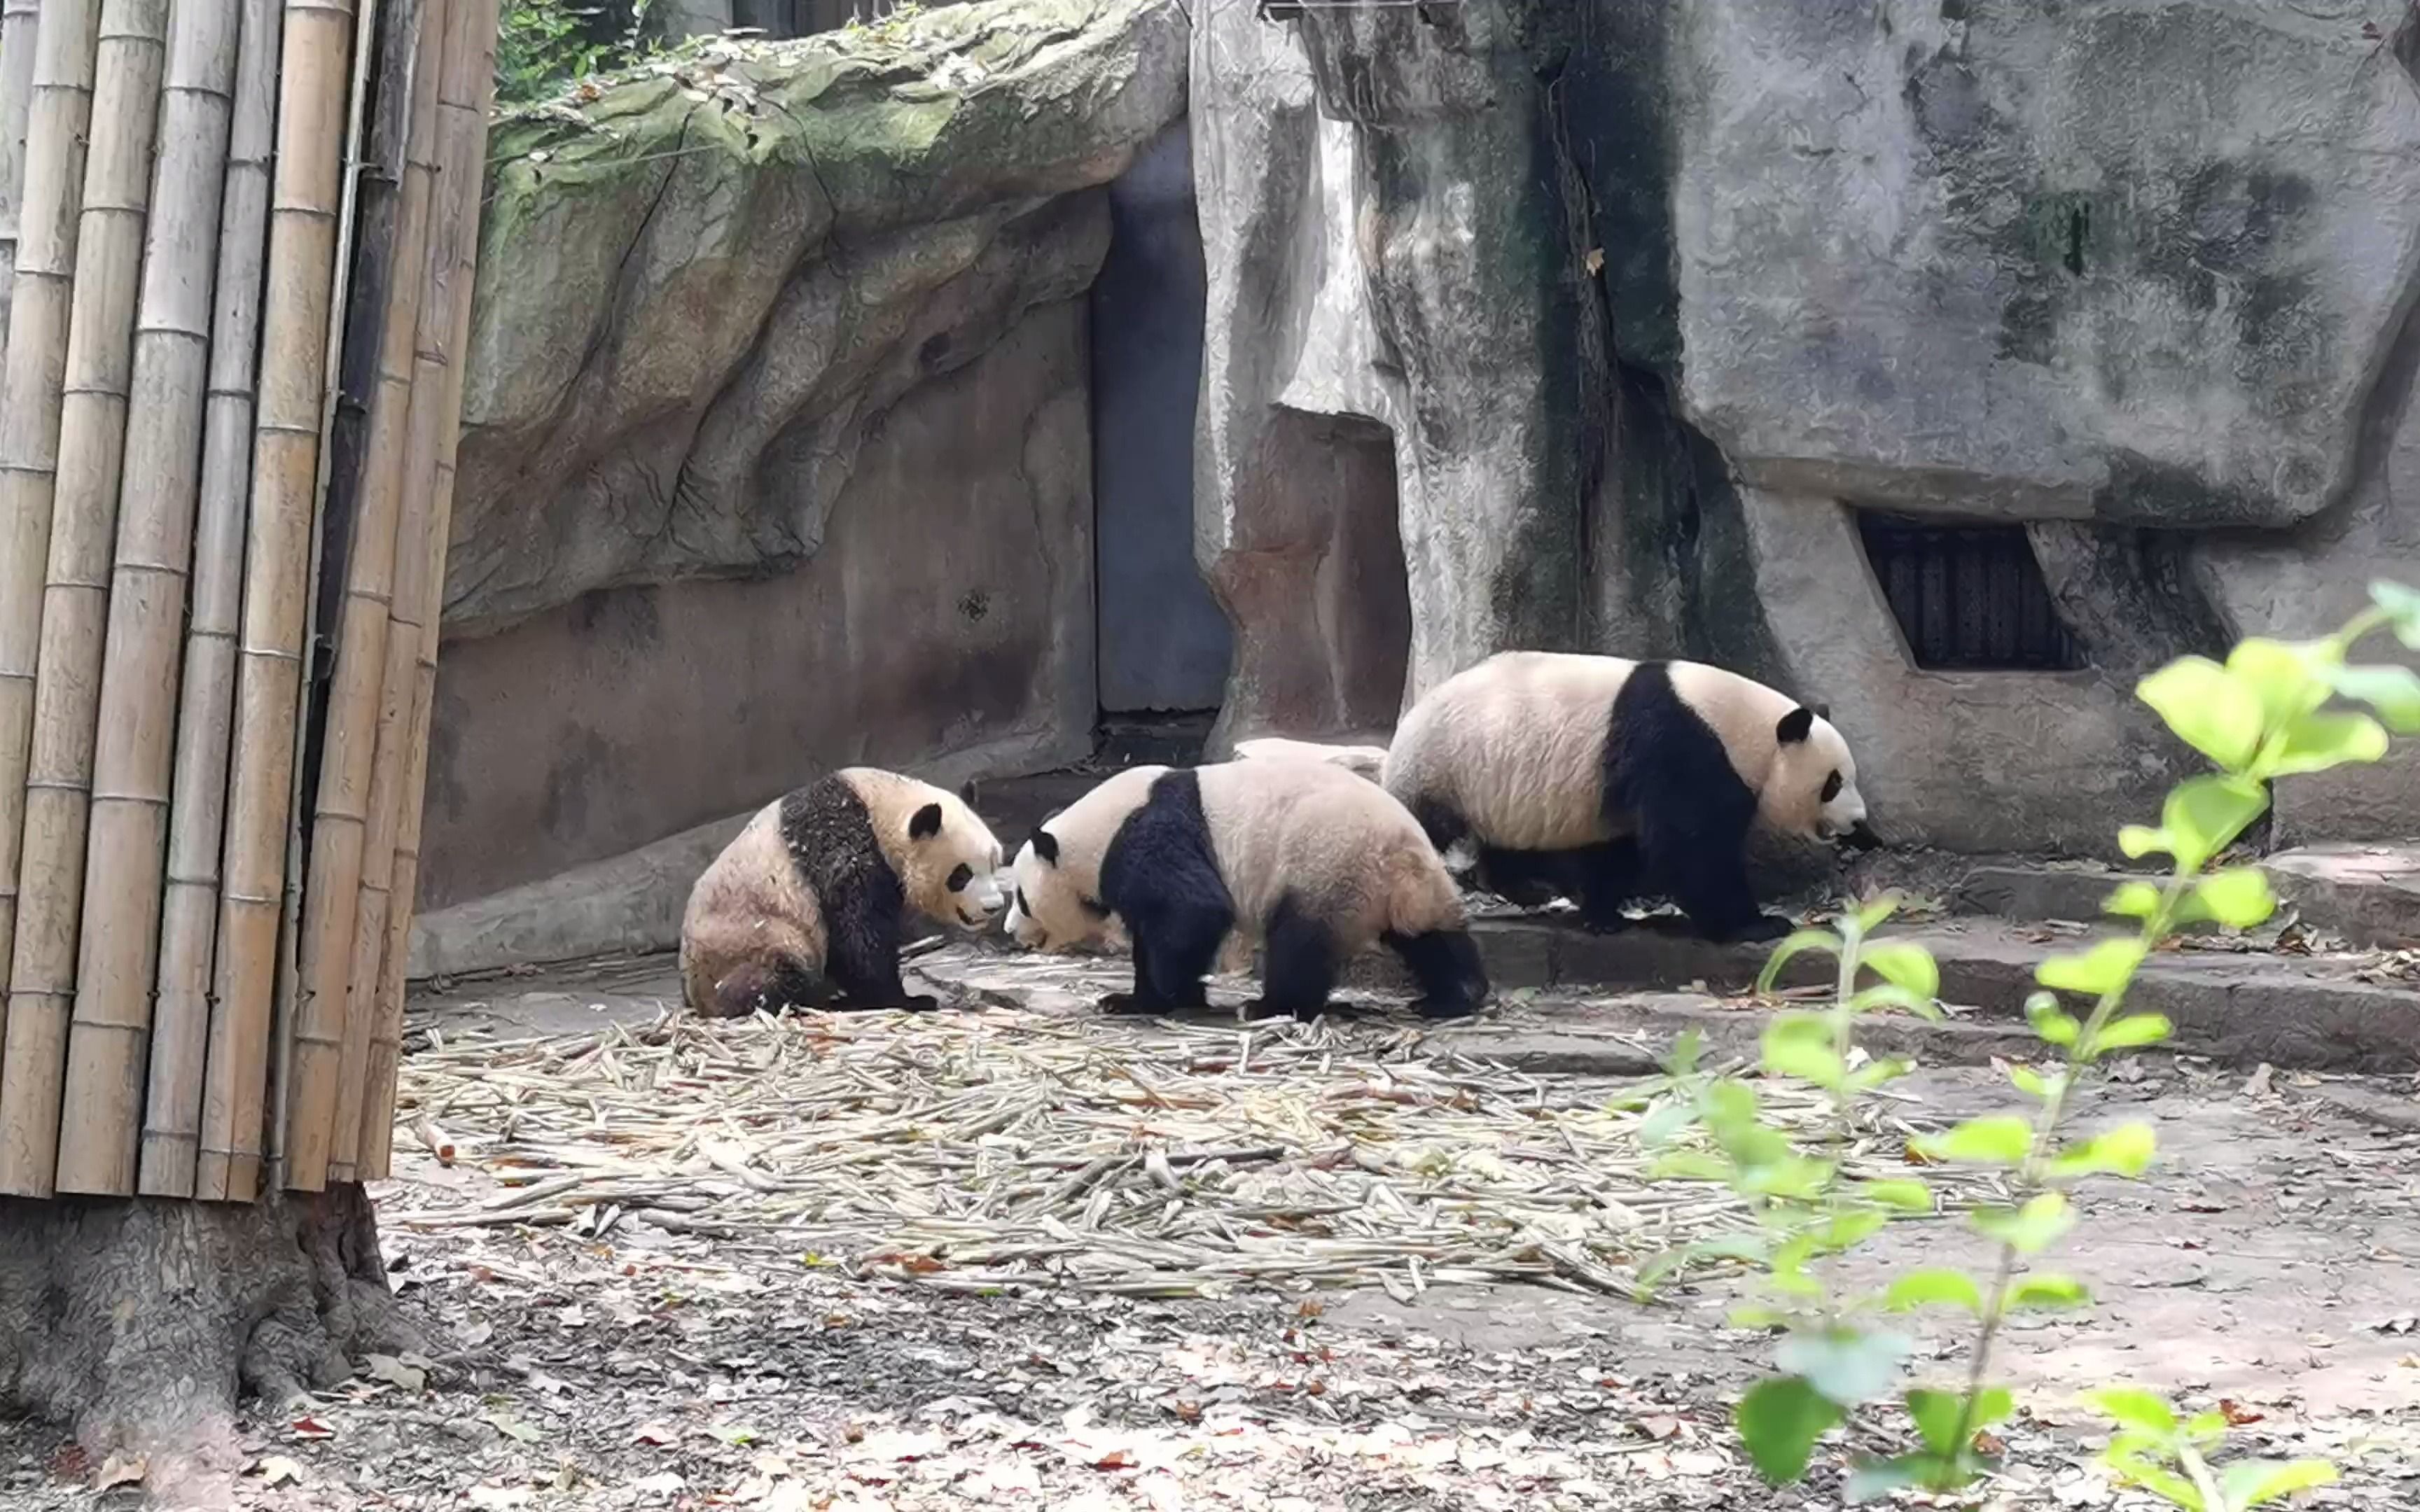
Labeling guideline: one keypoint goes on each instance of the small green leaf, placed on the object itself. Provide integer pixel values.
(1905, 1194)
(2214, 713)
(2049, 1020)
(1682, 1062)
(1878, 1479)
(2238, 897)
(1934, 1288)
(2131, 1469)
(2033, 1082)
(2029, 1230)
(1660, 1126)
(2138, 841)
(1936, 1414)
(2046, 1290)
(1874, 1073)
(1804, 939)
(2204, 815)
(1997, 1140)
(1890, 995)
(2125, 1150)
(2392, 692)
(1847, 1367)
(1871, 917)
(2093, 973)
(1779, 1421)
(2134, 900)
(2329, 738)
(2247, 1483)
(2136, 1408)
(1904, 965)
(1800, 1044)
(2403, 605)
(2132, 1033)
(1852, 1227)
(1689, 1165)
(2289, 679)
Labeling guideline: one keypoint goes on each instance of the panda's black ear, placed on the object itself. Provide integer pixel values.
(1046, 845)
(1822, 711)
(967, 791)
(1795, 726)
(926, 822)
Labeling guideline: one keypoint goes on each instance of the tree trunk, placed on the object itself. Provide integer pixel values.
(135, 1321)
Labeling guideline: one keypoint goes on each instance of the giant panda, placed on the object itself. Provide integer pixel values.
(1305, 857)
(803, 908)
(1603, 779)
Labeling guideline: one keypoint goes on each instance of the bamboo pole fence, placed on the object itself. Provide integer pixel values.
(116, 208)
(237, 247)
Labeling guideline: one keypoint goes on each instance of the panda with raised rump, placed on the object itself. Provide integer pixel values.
(803, 908)
(1304, 856)
(1605, 779)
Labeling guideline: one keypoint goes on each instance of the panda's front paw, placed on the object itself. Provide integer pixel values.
(919, 1003)
(1130, 1003)
(1760, 928)
(1445, 1010)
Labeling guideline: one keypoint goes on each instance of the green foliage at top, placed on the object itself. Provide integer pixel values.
(2275, 709)
(543, 45)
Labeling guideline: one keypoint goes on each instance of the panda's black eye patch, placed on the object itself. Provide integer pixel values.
(960, 878)
(1831, 787)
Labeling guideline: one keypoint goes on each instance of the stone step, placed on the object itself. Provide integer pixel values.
(2302, 1012)
(2368, 895)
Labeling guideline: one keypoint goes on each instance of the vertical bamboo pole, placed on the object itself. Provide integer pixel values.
(181, 1030)
(18, 21)
(76, 600)
(302, 236)
(355, 838)
(111, 1030)
(461, 186)
(31, 392)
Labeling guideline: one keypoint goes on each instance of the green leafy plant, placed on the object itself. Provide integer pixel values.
(540, 46)
(2261, 716)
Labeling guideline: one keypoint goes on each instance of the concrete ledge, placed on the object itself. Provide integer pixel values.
(2311, 1012)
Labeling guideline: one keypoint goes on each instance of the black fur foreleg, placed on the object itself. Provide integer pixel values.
(1297, 965)
(1445, 963)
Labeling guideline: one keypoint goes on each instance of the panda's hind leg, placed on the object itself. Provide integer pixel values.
(1608, 877)
(1298, 964)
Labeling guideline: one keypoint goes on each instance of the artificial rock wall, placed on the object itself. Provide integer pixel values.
(1651, 298)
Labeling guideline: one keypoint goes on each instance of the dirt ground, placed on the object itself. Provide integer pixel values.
(2267, 1262)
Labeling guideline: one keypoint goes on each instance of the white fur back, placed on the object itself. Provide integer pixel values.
(1354, 857)
(1515, 745)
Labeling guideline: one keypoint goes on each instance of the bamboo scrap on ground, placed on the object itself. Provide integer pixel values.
(110, 1034)
(312, 94)
(31, 392)
(114, 209)
(343, 846)
(380, 962)
(181, 1076)
(973, 1150)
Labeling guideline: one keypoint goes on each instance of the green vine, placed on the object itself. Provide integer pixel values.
(2262, 716)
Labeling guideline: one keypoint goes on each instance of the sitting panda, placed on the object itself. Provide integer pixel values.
(1603, 779)
(803, 908)
(1311, 860)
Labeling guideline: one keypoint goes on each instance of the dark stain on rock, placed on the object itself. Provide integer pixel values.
(581, 761)
(2139, 487)
(626, 619)
(974, 605)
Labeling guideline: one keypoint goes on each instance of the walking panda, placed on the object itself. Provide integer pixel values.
(803, 908)
(1304, 857)
(1603, 779)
